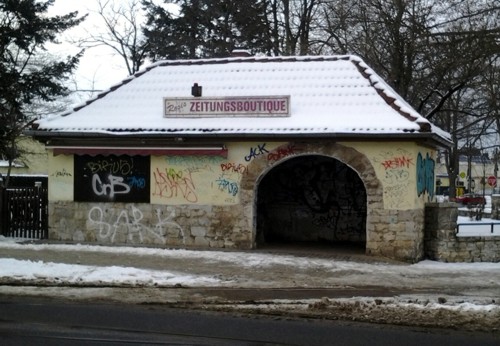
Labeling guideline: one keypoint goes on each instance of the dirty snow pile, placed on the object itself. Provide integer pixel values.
(423, 311)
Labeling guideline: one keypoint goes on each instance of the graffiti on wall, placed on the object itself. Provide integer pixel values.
(233, 167)
(256, 151)
(129, 226)
(227, 185)
(61, 173)
(209, 179)
(171, 183)
(193, 164)
(396, 166)
(282, 152)
(398, 162)
(170, 179)
(195, 180)
(425, 175)
(272, 155)
(111, 178)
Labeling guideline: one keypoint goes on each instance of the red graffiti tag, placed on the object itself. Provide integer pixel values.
(280, 153)
(233, 167)
(398, 162)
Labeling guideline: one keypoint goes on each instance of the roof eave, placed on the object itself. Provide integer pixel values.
(427, 137)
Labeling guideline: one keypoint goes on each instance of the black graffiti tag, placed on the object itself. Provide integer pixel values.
(256, 152)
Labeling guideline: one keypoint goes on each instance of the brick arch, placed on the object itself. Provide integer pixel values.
(357, 161)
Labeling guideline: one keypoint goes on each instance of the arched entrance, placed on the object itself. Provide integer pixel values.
(311, 199)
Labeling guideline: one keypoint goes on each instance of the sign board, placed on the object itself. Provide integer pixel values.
(492, 181)
(249, 106)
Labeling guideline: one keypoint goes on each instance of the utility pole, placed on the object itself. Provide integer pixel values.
(484, 173)
(495, 170)
(469, 166)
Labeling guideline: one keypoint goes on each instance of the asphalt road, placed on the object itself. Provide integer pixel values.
(42, 321)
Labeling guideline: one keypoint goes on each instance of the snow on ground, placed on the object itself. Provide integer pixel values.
(479, 312)
(468, 226)
(10, 267)
(128, 275)
(95, 275)
(485, 227)
(60, 272)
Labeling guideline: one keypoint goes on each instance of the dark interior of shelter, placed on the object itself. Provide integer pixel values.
(311, 201)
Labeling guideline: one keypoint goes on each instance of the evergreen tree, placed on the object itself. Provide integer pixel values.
(206, 28)
(25, 76)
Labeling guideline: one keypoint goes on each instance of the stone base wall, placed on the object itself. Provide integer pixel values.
(148, 224)
(392, 234)
(465, 249)
(442, 243)
(396, 234)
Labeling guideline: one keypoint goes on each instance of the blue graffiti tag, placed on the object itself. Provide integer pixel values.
(425, 175)
(138, 182)
(227, 185)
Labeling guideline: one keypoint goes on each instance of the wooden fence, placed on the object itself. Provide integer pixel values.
(24, 212)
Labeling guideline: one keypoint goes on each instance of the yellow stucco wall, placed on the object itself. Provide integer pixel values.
(33, 158)
(61, 173)
(212, 180)
(404, 168)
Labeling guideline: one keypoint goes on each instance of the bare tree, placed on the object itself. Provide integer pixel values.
(121, 32)
(292, 22)
(433, 53)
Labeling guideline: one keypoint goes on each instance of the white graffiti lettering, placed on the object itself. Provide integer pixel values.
(129, 225)
(115, 186)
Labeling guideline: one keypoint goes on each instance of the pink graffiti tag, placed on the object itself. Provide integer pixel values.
(172, 183)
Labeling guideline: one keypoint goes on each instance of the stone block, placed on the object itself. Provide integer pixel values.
(204, 221)
(171, 232)
(216, 244)
(173, 242)
(389, 236)
(197, 231)
(201, 241)
(78, 236)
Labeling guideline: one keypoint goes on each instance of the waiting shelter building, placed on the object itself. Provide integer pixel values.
(243, 152)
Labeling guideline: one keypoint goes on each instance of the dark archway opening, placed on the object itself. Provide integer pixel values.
(312, 200)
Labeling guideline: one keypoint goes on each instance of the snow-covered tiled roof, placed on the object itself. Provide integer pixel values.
(328, 95)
